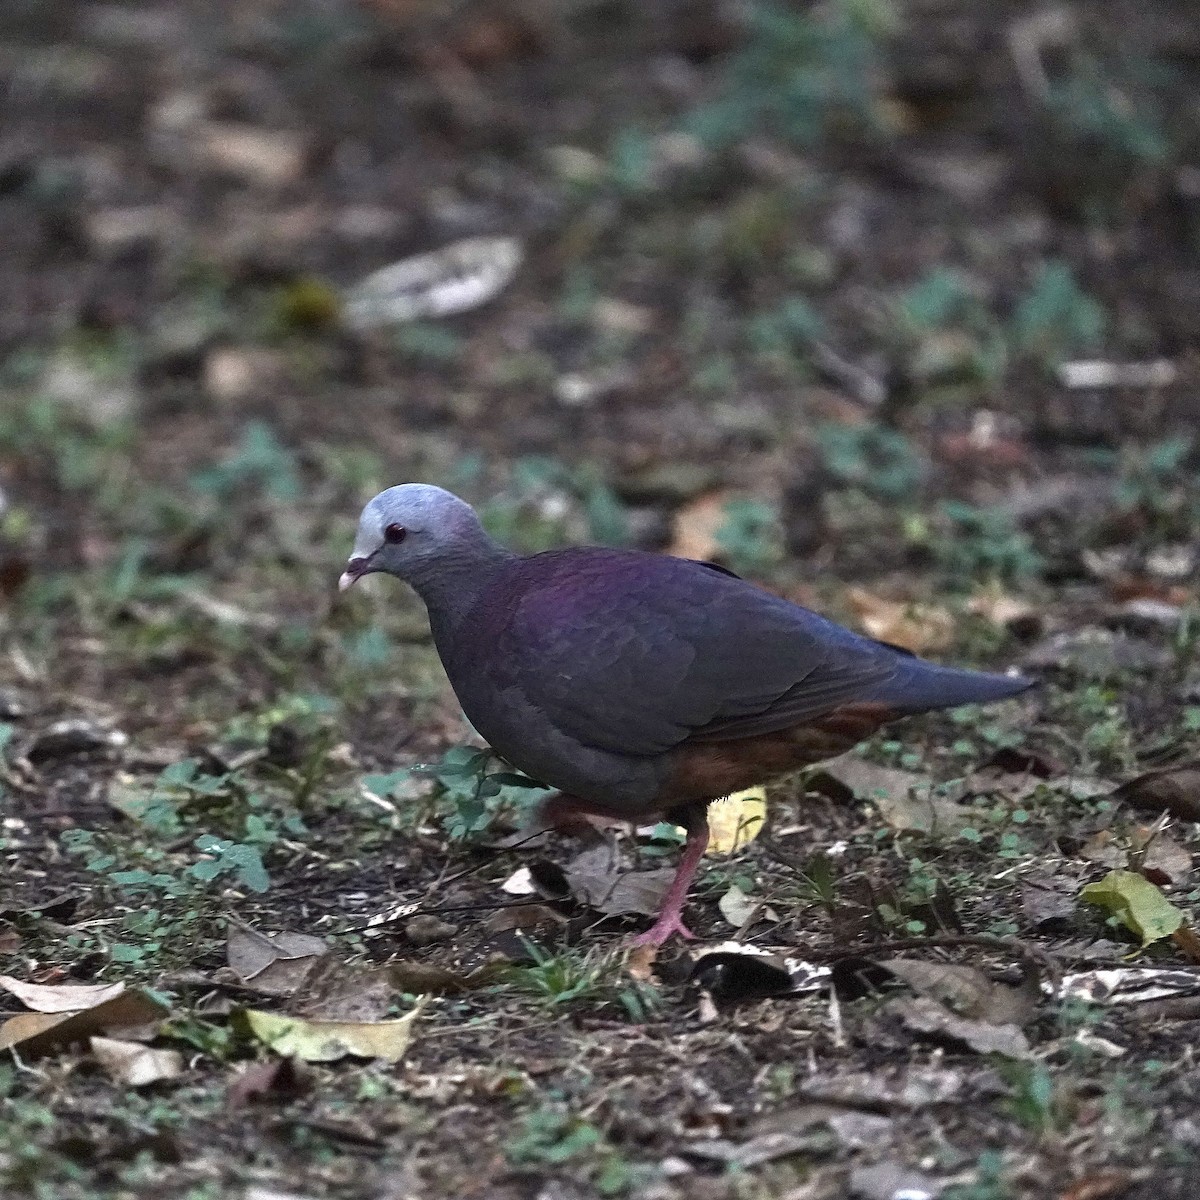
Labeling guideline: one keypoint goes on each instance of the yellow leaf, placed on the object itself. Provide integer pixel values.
(736, 820)
(327, 1041)
(1137, 903)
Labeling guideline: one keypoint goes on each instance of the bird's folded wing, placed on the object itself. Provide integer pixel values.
(678, 653)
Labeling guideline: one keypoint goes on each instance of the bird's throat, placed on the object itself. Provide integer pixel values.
(451, 587)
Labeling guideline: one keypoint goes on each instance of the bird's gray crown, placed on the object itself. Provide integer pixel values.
(438, 546)
(440, 515)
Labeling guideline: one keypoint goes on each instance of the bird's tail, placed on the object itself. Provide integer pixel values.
(920, 686)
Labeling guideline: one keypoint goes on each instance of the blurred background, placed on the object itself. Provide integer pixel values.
(882, 304)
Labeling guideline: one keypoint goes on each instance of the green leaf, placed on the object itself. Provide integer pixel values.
(383, 785)
(246, 863)
(1137, 903)
(936, 298)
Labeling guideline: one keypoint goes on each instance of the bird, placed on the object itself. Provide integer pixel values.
(641, 686)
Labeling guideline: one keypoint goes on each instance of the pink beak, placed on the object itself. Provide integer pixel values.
(356, 568)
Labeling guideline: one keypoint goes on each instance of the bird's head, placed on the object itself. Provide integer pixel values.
(406, 529)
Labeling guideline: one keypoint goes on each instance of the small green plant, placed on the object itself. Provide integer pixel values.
(750, 536)
(260, 464)
(1036, 1099)
(1112, 104)
(159, 873)
(876, 459)
(242, 862)
(984, 543)
(1155, 482)
(183, 796)
(1056, 317)
(78, 458)
(950, 343)
(470, 796)
(818, 883)
(802, 75)
(989, 1182)
(563, 977)
(785, 333)
(552, 1135)
(941, 297)
(555, 1137)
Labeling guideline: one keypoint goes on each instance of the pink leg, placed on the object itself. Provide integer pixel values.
(670, 919)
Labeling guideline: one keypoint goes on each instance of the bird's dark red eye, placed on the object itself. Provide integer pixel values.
(394, 534)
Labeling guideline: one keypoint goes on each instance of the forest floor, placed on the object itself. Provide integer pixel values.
(892, 309)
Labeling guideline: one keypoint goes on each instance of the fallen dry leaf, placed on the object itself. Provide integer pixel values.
(523, 916)
(398, 912)
(594, 880)
(275, 964)
(1173, 789)
(337, 991)
(519, 883)
(39, 1033)
(905, 799)
(453, 279)
(922, 1015)
(134, 1064)
(1044, 904)
(275, 1079)
(921, 628)
(60, 997)
(696, 524)
(1130, 985)
(637, 892)
(736, 907)
(328, 1041)
(1000, 608)
(1162, 854)
(735, 821)
(270, 1193)
(1126, 587)
(639, 963)
(967, 990)
(428, 979)
(267, 157)
(850, 778)
(891, 1181)
(1099, 1187)
(910, 1089)
(758, 1150)
(1188, 943)
(427, 929)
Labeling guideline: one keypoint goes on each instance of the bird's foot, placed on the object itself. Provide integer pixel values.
(667, 924)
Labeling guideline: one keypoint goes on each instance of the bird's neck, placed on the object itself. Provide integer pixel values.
(451, 586)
